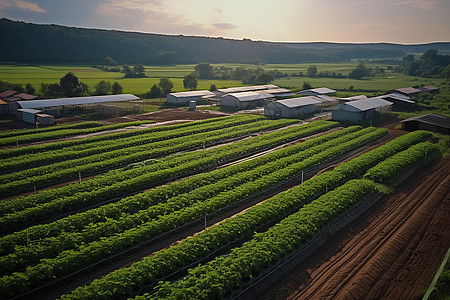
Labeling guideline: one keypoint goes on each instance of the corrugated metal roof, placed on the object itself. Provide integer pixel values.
(240, 89)
(428, 88)
(318, 91)
(365, 104)
(408, 90)
(26, 96)
(76, 101)
(433, 119)
(29, 110)
(297, 102)
(250, 96)
(7, 93)
(398, 97)
(192, 94)
(325, 98)
(358, 97)
(276, 91)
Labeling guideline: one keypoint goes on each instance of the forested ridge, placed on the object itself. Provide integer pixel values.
(25, 43)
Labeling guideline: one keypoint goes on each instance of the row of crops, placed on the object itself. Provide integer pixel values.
(222, 275)
(120, 183)
(17, 137)
(129, 206)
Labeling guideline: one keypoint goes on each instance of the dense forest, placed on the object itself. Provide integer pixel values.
(25, 42)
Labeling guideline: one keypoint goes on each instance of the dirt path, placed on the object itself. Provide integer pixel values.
(390, 252)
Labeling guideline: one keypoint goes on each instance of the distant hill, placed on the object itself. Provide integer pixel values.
(33, 43)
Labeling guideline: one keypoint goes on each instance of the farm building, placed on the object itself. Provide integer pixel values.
(292, 108)
(7, 93)
(82, 103)
(11, 98)
(318, 91)
(246, 100)
(27, 115)
(352, 98)
(45, 119)
(429, 89)
(359, 110)
(408, 91)
(432, 122)
(186, 97)
(240, 89)
(279, 93)
(400, 101)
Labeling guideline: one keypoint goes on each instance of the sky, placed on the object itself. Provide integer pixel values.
(365, 21)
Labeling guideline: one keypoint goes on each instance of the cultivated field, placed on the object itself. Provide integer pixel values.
(210, 207)
(37, 74)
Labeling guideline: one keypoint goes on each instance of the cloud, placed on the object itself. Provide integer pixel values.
(421, 4)
(21, 5)
(225, 26)
(146, 16)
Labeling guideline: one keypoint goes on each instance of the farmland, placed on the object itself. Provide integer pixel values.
(37, 74)
(203, 208)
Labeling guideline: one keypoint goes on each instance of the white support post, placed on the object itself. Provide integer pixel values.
(205, 222)
(79, 175)
(302, 176)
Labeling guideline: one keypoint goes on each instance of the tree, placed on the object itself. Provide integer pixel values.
(264, 78)
(53, 90)
(29, 89)
(312, 71)
(71, 85)
(213, 88)
(360, 72)
(103, 88)
(204, 70)
(155, 92)
(127, 70)
(165, 85)
(190, 81)
(139, 70)
(116, 88)
(307, 85)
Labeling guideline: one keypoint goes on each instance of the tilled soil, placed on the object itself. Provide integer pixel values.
(390, 252)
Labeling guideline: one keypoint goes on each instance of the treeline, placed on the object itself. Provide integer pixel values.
(53, 43)
(69, 86)
(430, 64)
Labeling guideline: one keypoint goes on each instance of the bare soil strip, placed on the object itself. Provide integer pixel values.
(389, 252)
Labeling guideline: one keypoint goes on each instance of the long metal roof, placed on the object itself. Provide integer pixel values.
(76, 101)
(318, 91)
(397, 97)
(408, 90)
(250, 96)
(192, 94)
(247, 88)
(365, 104)
(297, 102)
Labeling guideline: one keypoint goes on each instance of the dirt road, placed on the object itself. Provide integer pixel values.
(389, 252)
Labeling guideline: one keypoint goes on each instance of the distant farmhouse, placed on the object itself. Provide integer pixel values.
(408, 91)
(359, 110)
(318, 91)
(292, 108)
(246, 100)
(431, 122)
(9, 101)
(181, 98)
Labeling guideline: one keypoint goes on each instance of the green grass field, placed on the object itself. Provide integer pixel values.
(37, 74)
